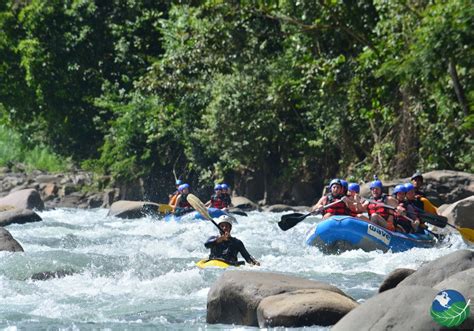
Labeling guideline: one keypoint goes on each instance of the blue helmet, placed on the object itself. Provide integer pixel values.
(344, 184)
(218, 187)
(354, 187)
(335, 181)
(224, 186)
(179, 182)
(409, 187)
(376, 183)
(399, 188)
(182, 187)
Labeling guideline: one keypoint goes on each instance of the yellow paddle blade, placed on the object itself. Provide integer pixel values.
(467, 234)
(164, 209)
(198, 205)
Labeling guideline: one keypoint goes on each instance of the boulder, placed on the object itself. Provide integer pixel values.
(24, 199)
(394, 278)
(244, 203)
(461, 213)
(463, 282)
(402, 308)
(134, 209)
(440, 269)
(8, 243)
(235, 296)
(303, 308)
(18, 216)
(279, 208)
(47, 179)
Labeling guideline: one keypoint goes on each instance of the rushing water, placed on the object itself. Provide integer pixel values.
(140, 274)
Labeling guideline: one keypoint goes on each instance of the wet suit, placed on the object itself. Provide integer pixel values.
(227, 250)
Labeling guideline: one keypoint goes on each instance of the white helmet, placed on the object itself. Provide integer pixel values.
(226, 219)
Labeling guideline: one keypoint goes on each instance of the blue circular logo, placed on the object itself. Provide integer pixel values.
(449, 308)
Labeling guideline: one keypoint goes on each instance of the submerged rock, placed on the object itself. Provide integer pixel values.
(8, 243)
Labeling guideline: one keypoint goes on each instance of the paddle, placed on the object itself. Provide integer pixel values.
(437, 236)
(290, 220)
(201, 208)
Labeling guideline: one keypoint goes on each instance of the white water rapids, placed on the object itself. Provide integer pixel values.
(140, 274)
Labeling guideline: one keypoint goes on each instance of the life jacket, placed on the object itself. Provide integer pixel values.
(183, 202)
(375, 208)
(218, 202)
(173, 198)
(402, 221)
(339, 208)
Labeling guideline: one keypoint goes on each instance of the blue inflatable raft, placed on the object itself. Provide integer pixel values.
(194, 215)
(341, 233)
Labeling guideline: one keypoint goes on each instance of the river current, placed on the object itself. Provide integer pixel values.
(140, 274)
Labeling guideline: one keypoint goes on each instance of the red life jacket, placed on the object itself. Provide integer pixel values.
(375, 208)
(183, 202)
(218, 202)
(339, 208)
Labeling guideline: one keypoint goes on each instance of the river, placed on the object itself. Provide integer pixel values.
(140, 274)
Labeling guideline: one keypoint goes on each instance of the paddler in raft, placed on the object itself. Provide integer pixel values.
(356, 202)
(404, 209)
(217, 199)
(378, 214)
(182, 205)
(173, 196)
(225, 247)
(336, 194)
(417, 181)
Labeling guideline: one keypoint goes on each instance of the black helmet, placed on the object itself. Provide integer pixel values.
(416, 175)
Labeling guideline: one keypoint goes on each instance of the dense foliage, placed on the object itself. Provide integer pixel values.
(279, 91)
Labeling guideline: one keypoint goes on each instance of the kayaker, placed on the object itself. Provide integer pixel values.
(217, 200)
(173, 196)
(400, 220)
(356, 201)
(378, 214)
(417, 181)
(335, 194)
(226, 194)
(225, 247)
(182, 205)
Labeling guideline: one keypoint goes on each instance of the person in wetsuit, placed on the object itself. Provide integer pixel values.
(225, 247)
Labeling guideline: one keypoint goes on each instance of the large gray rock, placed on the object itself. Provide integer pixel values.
(303, 308)
(235, 296)
(244, 203)
(134, 209)
(8, 243)
(280, 208)
(394, 278)
(18, 216)
(440, 269)
(461, 213)
(402, 308)
(24, 199)
(462, 282)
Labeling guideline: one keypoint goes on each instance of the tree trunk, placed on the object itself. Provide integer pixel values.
(406, 150)
(458, 87)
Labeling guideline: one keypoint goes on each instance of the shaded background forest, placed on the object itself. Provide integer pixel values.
(265, 95)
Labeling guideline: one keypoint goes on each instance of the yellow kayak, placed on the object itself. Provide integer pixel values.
(216, 264)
